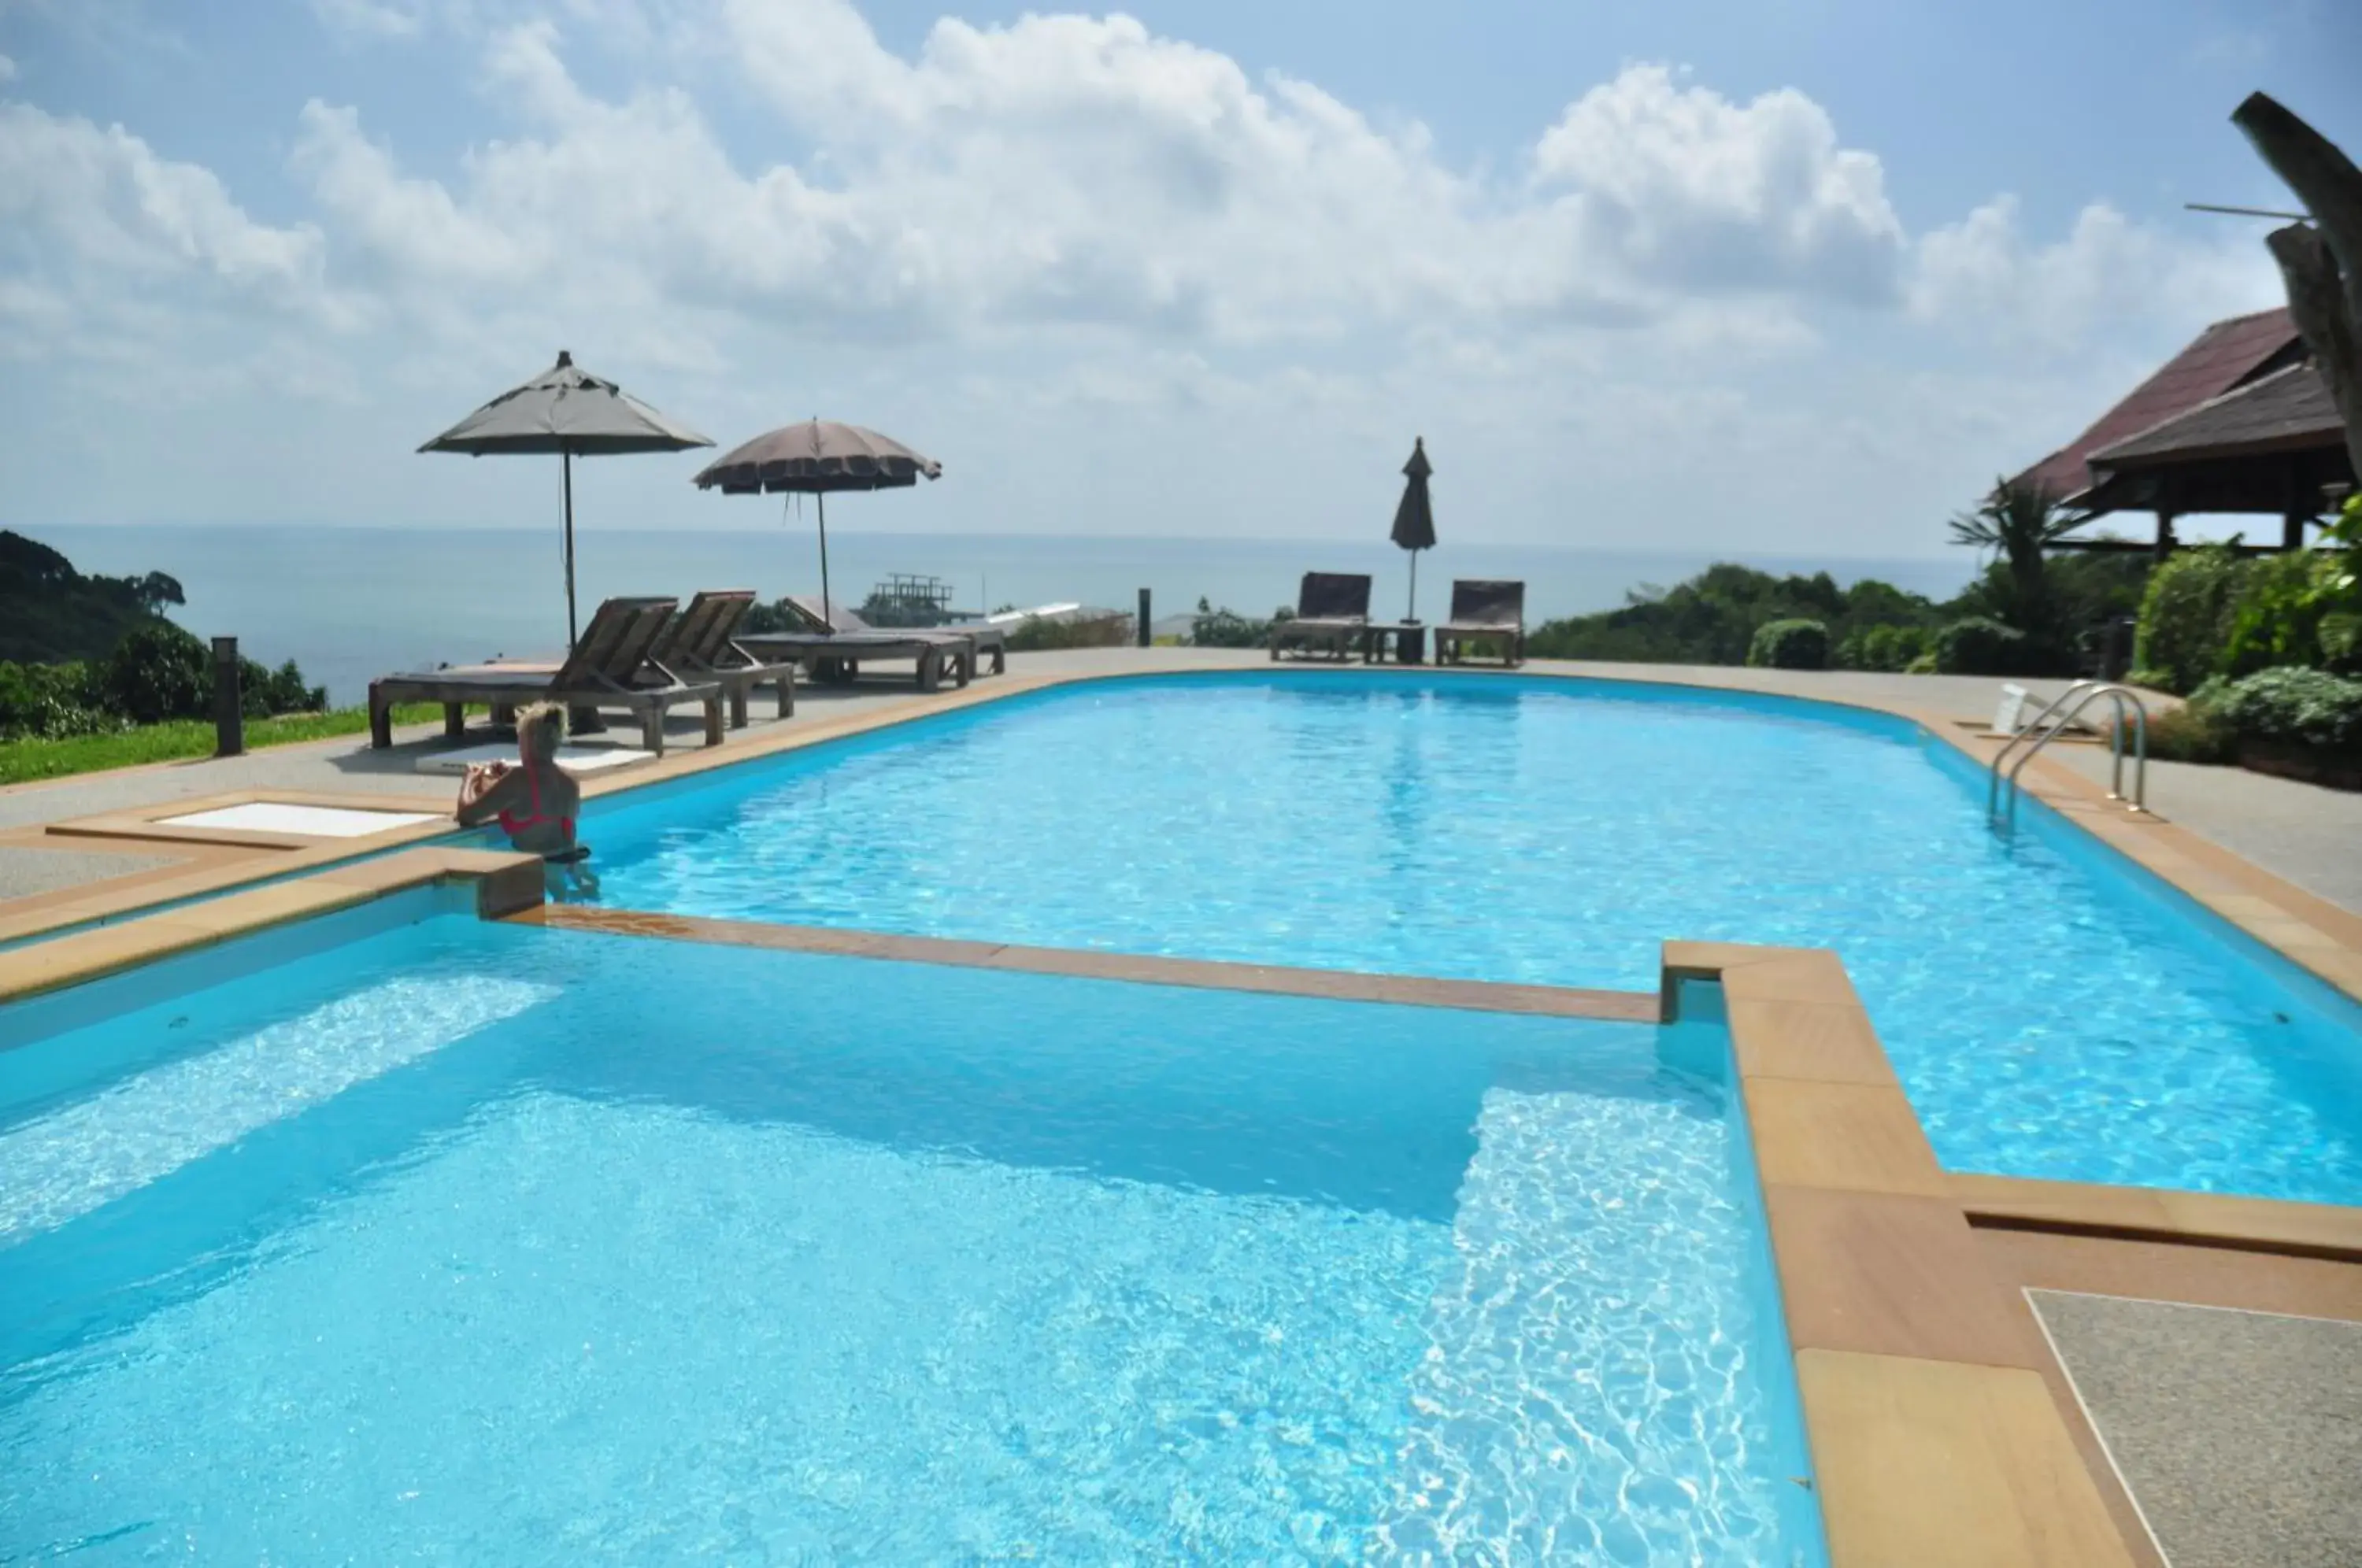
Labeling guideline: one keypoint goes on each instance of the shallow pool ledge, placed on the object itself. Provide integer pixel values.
(1934, 1435)
(504, 884)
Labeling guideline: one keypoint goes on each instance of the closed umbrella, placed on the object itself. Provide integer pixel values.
(1415, 517)
(818, 457)
(568, 411)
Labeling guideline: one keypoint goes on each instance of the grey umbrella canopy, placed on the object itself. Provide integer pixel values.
(1415, 517)
(817, 457)
(568, 411)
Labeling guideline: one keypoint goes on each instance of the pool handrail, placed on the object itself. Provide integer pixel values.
(2068, 706)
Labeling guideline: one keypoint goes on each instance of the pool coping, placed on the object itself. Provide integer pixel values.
(1202, 974)
(1935, 1437)
(1926, 1388)
(503, 882)
(2319, 936)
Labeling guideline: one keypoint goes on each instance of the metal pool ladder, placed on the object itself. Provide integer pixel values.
(2062, 711)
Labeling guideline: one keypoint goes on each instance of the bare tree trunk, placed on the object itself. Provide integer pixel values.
(2322, 266)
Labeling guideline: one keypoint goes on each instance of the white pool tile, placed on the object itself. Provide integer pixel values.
(314, 821)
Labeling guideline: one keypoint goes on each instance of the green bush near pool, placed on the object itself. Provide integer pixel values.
(1978, 644)
(1790, 644)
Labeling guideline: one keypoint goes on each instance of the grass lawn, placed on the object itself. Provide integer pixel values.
(183, 738)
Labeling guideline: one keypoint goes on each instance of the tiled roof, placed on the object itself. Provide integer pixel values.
(2226, 355)
(2286, 408)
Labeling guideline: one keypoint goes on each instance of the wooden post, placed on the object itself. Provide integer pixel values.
(229, 711)
(2165, 540)
(1145, 640)
(2292, 530)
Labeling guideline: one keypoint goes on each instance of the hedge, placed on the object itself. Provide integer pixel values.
(1790, 644)
(2185, 618)
(1978, 646)
(2291, 706)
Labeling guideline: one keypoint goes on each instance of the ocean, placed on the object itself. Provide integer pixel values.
(351, 603)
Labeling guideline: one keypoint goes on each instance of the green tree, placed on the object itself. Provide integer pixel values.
(2019, 524)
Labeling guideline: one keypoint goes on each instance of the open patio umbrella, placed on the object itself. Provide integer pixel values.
(568, 411)
(1415, 517)
(817, 457)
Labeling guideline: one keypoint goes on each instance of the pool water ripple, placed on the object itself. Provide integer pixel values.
(2052, 1015)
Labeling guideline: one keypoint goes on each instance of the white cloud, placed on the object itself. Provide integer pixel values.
(1683, 186)
(1079, 173)
(1072, 222)
(7, 69)
(1983, 275)
(79, 196)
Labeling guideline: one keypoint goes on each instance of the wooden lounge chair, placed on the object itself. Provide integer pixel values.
(1483, 610)
(1332, 613)
(837, 658)
(609, 668)
(699, 643)
(988, 639)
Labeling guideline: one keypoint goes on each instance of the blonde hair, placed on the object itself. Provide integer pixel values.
(538, 714)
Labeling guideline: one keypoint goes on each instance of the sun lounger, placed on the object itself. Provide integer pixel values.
(837, 658)
(701, 645)
(1332, 613)
(987, 638)
(609, 668)
(1483, 610)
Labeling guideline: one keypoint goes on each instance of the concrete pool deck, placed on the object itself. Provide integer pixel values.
(2239, 1432)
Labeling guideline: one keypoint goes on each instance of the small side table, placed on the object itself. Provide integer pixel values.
(1408, 638)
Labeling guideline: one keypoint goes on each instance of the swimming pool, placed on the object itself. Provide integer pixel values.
(2053, 1009)
(400, 1234)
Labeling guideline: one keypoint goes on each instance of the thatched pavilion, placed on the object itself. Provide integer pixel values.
(2240, 421)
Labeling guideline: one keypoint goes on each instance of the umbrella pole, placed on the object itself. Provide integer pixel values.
(1412, 613)
(579, 721)
(827, 614)
(566, 455)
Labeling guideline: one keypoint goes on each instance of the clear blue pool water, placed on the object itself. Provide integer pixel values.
(374, 1241)
(2053, 1011)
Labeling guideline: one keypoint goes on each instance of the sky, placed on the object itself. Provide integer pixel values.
(1798, 277)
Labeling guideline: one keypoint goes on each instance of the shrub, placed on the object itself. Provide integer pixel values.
(2185, 617)
(2275, 613)
(1212, 628)
(1978, 645)
(263, 692)
(2194, 732)
(1790, 644)
(155, 673)
(1884, 647)
(1037, 633)
(2292, 707)
(2341, 641)
(51, 701)
(1714, 616)
(1924, 665)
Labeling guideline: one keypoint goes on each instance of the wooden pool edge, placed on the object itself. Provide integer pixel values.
(1334, 984)
(503, 882)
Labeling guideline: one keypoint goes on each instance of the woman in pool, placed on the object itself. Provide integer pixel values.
(536, 802)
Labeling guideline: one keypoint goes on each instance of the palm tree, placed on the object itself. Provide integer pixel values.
(2018, 522)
